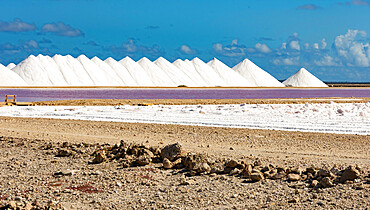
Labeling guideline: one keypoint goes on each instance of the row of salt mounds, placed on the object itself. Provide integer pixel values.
(81, 71)
(255, 75)
(9, 78)
(303, 78)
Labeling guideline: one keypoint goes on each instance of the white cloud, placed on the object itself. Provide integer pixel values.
(292, 61)
(262, 48)
(326, 60)
(315, 46)
(352, 51)
(233, 50)
(187, 50)
(323, 43)
(294, 45)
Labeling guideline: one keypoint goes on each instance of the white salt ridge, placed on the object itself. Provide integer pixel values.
(191, 72)
(207, 73)
(39, 71)
(255, 75)
(113, 78)
(10, 66)
(137, 72)
(97, 75)
(121, 71)
(72, 71)
(304, 78)
(178, 76)
(232, 78)
(156, 74)
(9, 78)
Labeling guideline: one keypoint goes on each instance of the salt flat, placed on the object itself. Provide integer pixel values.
(341, 118)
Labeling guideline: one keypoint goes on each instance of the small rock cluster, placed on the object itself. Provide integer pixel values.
(174, 157)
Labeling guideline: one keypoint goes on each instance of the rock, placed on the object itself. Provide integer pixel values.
(257, 163)
(143, 160)
(293, 200)
(177, 164)
(265, 169)
(202, 167)
(218, 168)
(279, 175)
(324, 173)
(99, 158)
(247, 171)
(167, 164)
(326, 182)
(63, 153)
(296, 170)
(293, 177)
(350, 173)
(191, 160)
(311, 170)
(257, 177)
(234, 171)
(172, 151)
(232, 163)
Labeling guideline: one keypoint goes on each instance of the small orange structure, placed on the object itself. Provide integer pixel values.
(10, 100)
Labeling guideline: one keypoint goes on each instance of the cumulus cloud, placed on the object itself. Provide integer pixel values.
(61, 29)
(232, 50)
(17, 25)
(352, 51)
(184, 49)
(133, 49)
(263, 48)
(294, 45)
(326, 60)
(308, 7)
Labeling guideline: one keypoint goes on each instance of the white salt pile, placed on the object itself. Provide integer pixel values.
(73, 71)
(304, 78)
(191, 72)
(228, 75)
(255, 75)
(137, 72)
(39, 71)
(113, 77)
(10, 66)
(9, 78)
(156, 74)
(207, 73)
(121, 71)
(178, 76)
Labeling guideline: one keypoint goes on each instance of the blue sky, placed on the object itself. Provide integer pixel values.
(329, 38)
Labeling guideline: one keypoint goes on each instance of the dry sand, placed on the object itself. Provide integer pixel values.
(27, 169)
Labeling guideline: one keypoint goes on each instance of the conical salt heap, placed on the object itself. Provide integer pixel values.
(232, 78)
(9, 78)
(255, 75)
(304, 78)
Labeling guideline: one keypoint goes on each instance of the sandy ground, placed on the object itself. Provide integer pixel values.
(27, 169)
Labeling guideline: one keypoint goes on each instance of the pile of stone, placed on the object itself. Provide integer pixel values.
(174, 157)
